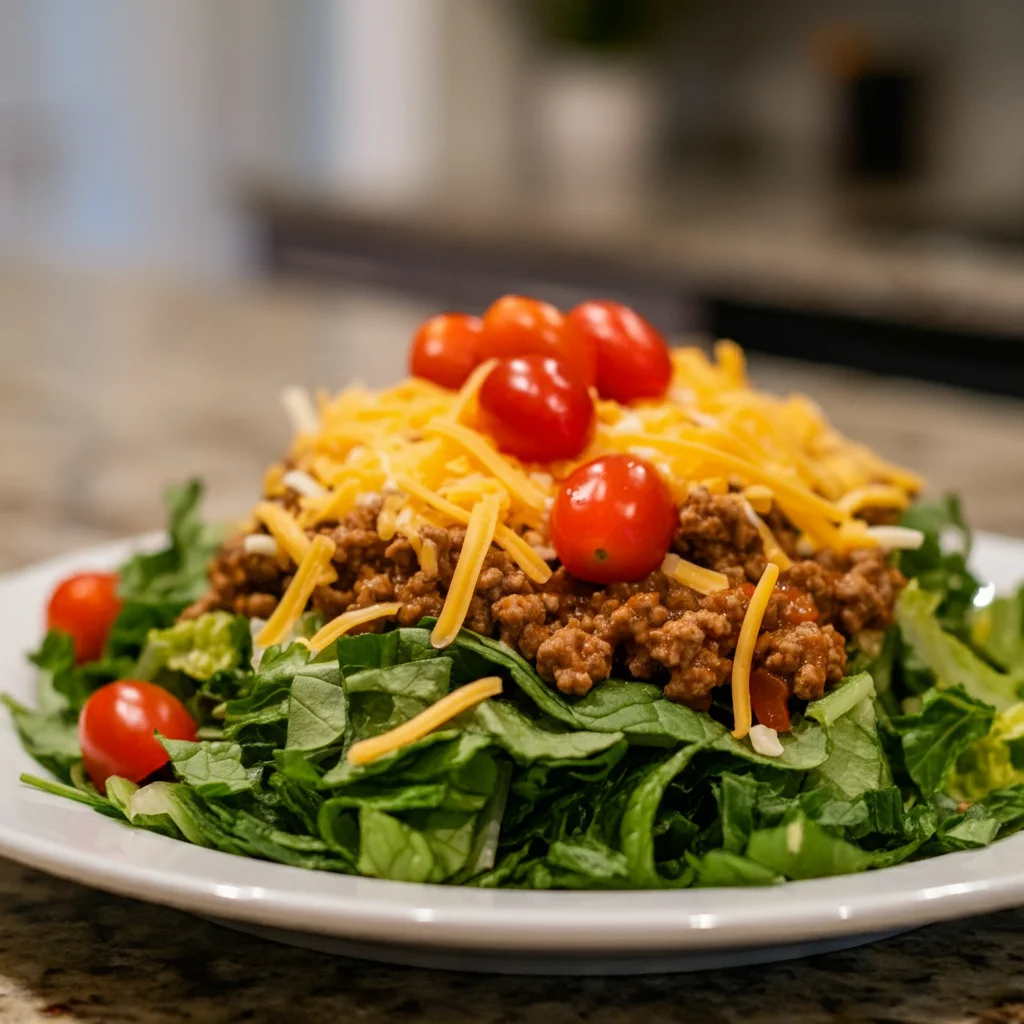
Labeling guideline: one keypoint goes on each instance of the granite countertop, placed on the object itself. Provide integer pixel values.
(113, 387)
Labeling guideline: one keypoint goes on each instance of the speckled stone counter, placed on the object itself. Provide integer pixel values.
(109, 389)
(68, 952)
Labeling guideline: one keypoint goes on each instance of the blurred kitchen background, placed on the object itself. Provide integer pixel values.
(202, 200)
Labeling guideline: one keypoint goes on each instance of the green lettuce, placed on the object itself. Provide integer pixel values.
(997, 631)
(177, 574)
(995, 761)
(949, 722)
(533, 789)
(199, 647)
(950, 660)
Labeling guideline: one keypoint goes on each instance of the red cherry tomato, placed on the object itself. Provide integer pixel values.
(632, 357)
(117, 725)
(613, 520)
(85, 605)
(797, 606)
(446, 348)
(534, 410)
(517, 326)
(769, 699)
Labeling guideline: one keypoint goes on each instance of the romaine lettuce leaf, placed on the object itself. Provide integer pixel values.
(949, 722)
(940, 564)
(804, 849)
(199, 647)
(176, 574)
(948, 658)
(995, 761)
(997, 630)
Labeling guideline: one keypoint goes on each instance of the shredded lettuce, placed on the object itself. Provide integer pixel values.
(950, 661)
(919, 752)
(993, 762)
(199, 647)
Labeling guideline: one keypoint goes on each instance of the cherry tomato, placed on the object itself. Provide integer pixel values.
(613, 520)
(769, 699)
(797, 606)
(534, 410)
(632, 357)
(446, 348)
(85, 605)
(117, 725)
(517, 326)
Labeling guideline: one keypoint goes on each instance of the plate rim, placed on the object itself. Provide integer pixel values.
(166, 871)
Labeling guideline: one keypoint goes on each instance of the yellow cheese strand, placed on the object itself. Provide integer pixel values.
(874, 496)
(474, 444)
(744, 654)
(447, 708)
(479, 533)
(760, 498)
(340, 625)
(785, 491)
(524, 556)
(470, 389)
(284, 529)
(704, 581)
(293, 602)
(773, 550)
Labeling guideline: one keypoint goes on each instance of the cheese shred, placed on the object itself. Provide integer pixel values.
(772, 548)
(293, 602)
(520, 552)
(744, 655)
(419, 457)
(341, 625)
(874, 496)
(704, 581)
(479, 534)
(447, 708)
(499, 466)
(284, 529)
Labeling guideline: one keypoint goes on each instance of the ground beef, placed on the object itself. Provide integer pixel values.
(573, 659)
(806, 655)
(716, 531)
(855, 593)
(578, 633)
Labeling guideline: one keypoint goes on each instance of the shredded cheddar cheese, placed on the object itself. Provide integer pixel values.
(745, 650)
(418, 455)
(525, 557)
(468, 392)
(284, 529)
(293, 602)
(500, 466)
(483, 521)
(760, 498)
(346, 621)
(447, 708)
(704, 581)
(874, 496)
(772, 548)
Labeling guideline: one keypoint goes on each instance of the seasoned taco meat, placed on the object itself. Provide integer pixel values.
(578, 633)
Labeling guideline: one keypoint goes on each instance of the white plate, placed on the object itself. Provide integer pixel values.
(551, 932)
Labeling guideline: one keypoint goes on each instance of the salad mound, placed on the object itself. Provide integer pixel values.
(712, 643)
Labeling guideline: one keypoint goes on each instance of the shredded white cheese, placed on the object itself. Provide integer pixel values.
(765, 741)
(255, 628)
(260, 544)
(896, 538)
(629, 424)
(300, 481)
(299, 409)
(794, 836)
